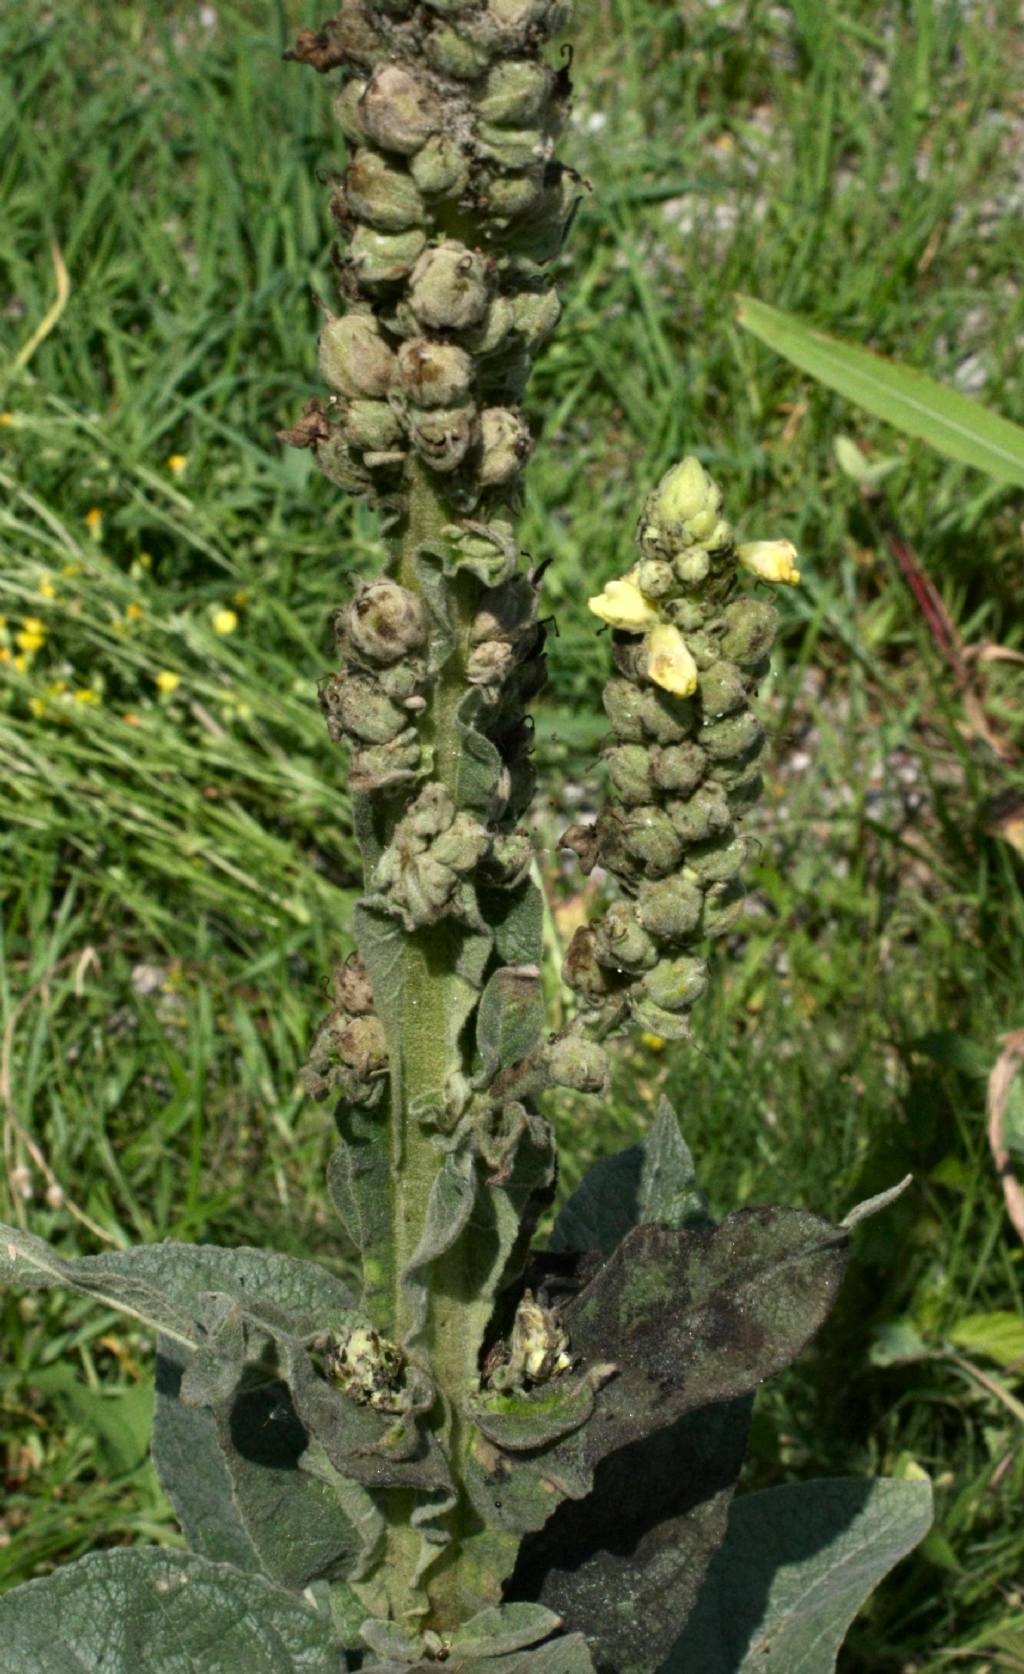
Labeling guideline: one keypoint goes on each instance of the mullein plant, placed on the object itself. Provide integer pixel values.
(476, 1448)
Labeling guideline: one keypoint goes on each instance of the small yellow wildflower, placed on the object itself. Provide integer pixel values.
(177, 463)
(20, 664)
(47, 589)
(71, 569)
(622, 605)
(38, 706)
(770, 561)
(167, 681)
(3, 623)
(32, 637)
(6, 419)
(224, 621)
(653, 1043)
(94, 522)
(145, 560)
(86, 694)
(134, 612)
(56, 688)
(5, 655)
(669, 661)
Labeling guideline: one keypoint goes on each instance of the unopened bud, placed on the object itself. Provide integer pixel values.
(511, 858)
(380, 258)
(399, 111)
(354, 357)
(579, 1064)
(516, 91)
(493, 329)
(509, 195)
(353, 989)
(621, 941)
(718, 860)
(441, 168)
(622, 705)
(490, 663)
(451, 50)
(703, 815)
(385, 196)
(677, 768)
(443, 436)
(655, 578)
(770, 561)
(386, 621)
(676, 984)
(504, 446)
(372, 427)
(519, 19)
(734, 736)
(583, 971)
(346, 111)
(513, 148)
(655, 1020)
(536, 314)
(449, 289)
(629, 772)
(666, 718)
(721, 689)
(363, 1046)
(670, 908)
(434, 374)
(356, 706)
(751, 626)
(723, 905)
(682, 511)
(646, 834)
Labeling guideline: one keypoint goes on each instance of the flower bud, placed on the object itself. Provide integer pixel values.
(676, 984)
(721, 689)
(384, 196)
(511, 858)
(462, 846)
(385, 621)
(719, 859)
(670, 908)
(355, 705)
(723, 905)
(689, 615)
(650, 836)
(734, 736)
(504, 446)
(434, 374)
(629, 772)
(490, 663)
(449, 289)
(745, 789)
(703, 815)
(372, 426)
(402, 680)
(655, 1020)
(354, 358)
(519, 19)
(655, 578)
(338, 464)
(503, 377)
(494, 328)
(692, 565)
(579, 1064)
(682, 511)
(510, 195)
(377, 767)
(770, 561)
(486, 550)
(622, 705)
(513, 148)
(353, 990)
(516, 91)
(621, 941)
(669, 662)
(443, 437)
(751, 626)
(379, 258)
(677, 768)
(346, 112)
(536, 314)
(541, 238)
(622, 605)
(666, 718)
(399, 111)
(453, 52)
(441, 168)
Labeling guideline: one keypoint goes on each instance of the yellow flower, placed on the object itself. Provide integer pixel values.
(37, 706)
(145, 560)
(770, 560)
(6, 419)
(5, 655)
(224, 621)
(177, 463)
(71, 569)
(20, 664)
(622, 605)
(94, 522)
(3, 623)
(167, 681)
(653, 1043)
(29, 639)
(86, 694)
(134, 612)
(47, 589)
(669, 662)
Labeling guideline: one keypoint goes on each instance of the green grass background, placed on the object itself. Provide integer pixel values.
(178, 866)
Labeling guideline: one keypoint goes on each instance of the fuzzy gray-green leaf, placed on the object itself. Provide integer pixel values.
(796, 1566)
(510, 1022)
(148, 1611)
(652, 1181)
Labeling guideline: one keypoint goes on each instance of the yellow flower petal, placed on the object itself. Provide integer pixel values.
(94, 521)
(669, 662)
(38, 706)
(86, 694)
(167, 680)
(134, 612)
(224, 621)
(622, 605)
(47, 589)
(770, 560)
(20, 664)
(6, 419)
(177, 463)
(28, 641)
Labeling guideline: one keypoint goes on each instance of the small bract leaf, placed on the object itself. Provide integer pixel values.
(652, 1181)
(510, 1022)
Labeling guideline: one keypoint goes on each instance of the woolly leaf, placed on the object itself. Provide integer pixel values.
(796, 1566)
(652, 1181)
(522, 1421)
(359, 1183)
(503, 1628)
(517, 919)
(143, 1610)
(625, 1564)
(449, 1206)
(510, 1022)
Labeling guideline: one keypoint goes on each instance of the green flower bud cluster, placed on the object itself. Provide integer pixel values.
(685, 754)
(377, 698)
(450, 209)
(423, 872)
(349, 1052)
